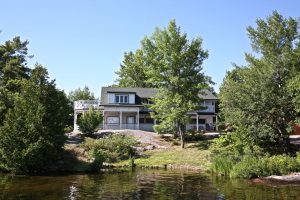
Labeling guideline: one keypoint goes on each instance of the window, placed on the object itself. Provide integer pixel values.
(121, 98)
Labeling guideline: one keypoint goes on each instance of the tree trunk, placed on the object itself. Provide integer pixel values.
(181, 136)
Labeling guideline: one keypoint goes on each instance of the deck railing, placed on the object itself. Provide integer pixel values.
(86, 104)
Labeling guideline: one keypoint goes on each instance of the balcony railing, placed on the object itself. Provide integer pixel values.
(141, 126)
(86, 104)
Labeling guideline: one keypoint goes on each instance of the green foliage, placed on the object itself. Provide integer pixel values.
(68, 129)
(32, 134)
(89, 122)
(222, 165)
(78, 94)
(231, 157)
(252, 167)
(257, 98)
(110, 149)
(81, 94)
(169, 61)
(99, 157)
(13, 68)
(132, 72)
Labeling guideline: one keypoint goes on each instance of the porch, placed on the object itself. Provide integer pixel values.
(127, 119)
(202, 121)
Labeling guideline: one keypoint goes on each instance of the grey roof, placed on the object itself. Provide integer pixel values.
(145, 92)
(141, 92)
(206, 94)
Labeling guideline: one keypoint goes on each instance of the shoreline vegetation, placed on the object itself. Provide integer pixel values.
(159, 154)
(197, 156)
(259, 103)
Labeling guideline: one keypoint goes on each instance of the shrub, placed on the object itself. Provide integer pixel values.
(251, 167)
(89, 122)
(248, 167)
(112, 148)
(68, 129)
(222, 165)
(99, 158)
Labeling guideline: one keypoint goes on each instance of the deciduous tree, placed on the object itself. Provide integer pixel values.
(169, 61)
(258, 97)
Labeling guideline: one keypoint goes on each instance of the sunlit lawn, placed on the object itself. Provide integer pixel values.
(175, 157)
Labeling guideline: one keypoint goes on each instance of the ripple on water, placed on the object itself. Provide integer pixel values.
(140, 184)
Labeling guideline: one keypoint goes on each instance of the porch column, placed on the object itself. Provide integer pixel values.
(121, 119)
(103, 121)
(216, 123)
(75, 121)
(197, 122)
(138, 119)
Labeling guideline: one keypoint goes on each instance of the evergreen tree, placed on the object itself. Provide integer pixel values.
(13, 66)
(89, 122)
(32, 133)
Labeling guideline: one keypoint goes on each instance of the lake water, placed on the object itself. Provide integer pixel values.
(140, 184)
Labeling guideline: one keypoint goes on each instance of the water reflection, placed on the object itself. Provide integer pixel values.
(141, 184)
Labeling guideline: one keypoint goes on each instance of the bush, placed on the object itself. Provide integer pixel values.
(68, 129)
(112, 148)
(252, 167)
(89, 122)
(222, 165)
(193, 135)
(248, 167)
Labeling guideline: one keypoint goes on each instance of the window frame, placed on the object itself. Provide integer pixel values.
(122, 98)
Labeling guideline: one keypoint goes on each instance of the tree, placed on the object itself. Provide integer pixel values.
(89, 122)
(133, 71)
(32, 134)
(170, 62)
(257, 98)
(78, 94)
(81, 94)
(13, 66)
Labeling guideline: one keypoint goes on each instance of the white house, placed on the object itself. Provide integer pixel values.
(124, 108)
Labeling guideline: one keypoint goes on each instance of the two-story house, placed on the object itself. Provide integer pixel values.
(124, 108)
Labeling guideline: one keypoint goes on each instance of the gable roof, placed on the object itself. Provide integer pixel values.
(146, 92)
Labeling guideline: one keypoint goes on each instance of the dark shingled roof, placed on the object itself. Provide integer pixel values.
(144, 92)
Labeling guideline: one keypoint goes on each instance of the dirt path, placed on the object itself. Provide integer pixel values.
(145, 138)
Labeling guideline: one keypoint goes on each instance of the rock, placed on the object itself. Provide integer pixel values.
(287, 178)
(149, 147)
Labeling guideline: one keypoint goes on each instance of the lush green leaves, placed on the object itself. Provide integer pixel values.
(169, 61)
(13, 67)
(32, 132)
(81, 94)
(89, 121)
(257, 98)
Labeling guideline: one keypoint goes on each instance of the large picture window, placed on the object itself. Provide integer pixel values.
(121, 98)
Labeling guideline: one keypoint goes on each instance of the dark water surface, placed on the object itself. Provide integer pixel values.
(141, 184)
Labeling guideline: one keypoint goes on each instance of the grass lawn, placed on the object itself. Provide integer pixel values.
(190, 158)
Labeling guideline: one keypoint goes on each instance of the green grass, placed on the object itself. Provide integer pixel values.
(175, 157)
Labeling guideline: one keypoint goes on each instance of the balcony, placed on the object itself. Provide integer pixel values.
(86, 104)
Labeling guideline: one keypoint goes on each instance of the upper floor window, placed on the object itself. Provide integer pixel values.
(121, 98)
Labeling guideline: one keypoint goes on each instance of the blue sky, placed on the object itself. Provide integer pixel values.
(82, 42)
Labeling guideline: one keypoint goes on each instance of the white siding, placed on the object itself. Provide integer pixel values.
(111, 98)
(131, 99)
